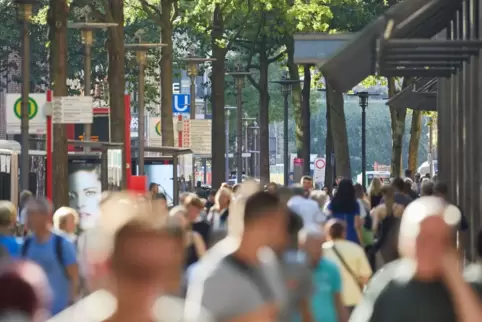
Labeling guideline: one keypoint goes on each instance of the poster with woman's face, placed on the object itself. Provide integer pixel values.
(85, 190)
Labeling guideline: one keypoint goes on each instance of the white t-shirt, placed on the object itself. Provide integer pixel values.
(307, 209)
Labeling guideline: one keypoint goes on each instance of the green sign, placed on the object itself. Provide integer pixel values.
(32, 108)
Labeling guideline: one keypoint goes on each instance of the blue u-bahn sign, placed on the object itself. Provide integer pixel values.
(181, 103)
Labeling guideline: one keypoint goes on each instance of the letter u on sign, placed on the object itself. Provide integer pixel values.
(180, 103)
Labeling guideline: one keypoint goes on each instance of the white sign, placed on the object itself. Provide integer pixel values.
(176, 88)
(200, 136)
(319, 170)
(154, 132)
(37, 116)
(73, 110)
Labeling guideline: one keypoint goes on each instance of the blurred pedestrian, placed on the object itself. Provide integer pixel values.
(426, 283)
(9, 246)
(320, 197)
(307, 183)
(194, 206)
(346, 207)
(272, 187)
(308, 209)
(54, 253)
(326, 302)
(66, 221)
(219, 213)
(401, 196)
(210, 201)
(351, 260)
(473, 272)
(374, 192)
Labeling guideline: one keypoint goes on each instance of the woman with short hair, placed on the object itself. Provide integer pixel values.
(65, 221)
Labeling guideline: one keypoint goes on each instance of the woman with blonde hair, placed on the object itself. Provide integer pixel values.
(375, 192)
(195, 245)
(219, 213)
(65, 221)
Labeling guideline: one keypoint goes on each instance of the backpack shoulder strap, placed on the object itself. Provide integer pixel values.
(59, 249)
(26, 244)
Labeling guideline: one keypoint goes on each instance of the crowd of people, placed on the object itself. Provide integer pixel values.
(245, 253)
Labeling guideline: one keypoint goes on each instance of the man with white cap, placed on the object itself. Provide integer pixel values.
(426, 284)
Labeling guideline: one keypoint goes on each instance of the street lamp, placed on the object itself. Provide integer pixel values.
(193, 62)
(227, 109)
(286, 85)
(25, 15)
(255, 128)
(86, 28)
(238, 74)
(363, 102)
(246, 119)
(141, 49)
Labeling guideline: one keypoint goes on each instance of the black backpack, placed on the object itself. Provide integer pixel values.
(58, 249)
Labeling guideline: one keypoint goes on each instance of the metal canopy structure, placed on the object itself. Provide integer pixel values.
(421, 96)
(358, 58)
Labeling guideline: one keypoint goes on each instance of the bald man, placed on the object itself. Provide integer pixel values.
(426, 283)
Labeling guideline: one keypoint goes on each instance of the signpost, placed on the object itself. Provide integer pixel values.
(200, 136)
(36, 109)
(73, 110)
(319, 170)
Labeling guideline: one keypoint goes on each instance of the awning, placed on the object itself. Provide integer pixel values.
(357, 60)
(417, 56)
(421, 96)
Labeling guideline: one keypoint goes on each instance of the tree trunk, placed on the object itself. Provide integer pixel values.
(116, 54)
(167, 128)
(263, 116)
(306, 115)
(329, 173)
(415, 132)
(335, 102)
(217, 99)
(295, 95)
(397, 117)
(57, 20)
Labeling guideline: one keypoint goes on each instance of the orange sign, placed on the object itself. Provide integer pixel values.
(92, 138)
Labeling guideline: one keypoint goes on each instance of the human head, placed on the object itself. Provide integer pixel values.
(223, 198)
(25, 196)
(85, 191)
(194, 206)
(398, 184)
(154, 188)
(161, 200)
(307, 183)
(265, 221)
(426, 231)
(38, 215)
(427, 188)
(408, 173)
(212, 195)
(181, 213)
(320, 197)
(375, 187)
(417, 177)
(272, 187)
(183, 196)
(8, 215)
(407, 186)
(198, 184)
(66, 219)
(335, 229)
(441, 190)
(135, 250)
(298, 190)
(359, 191)
(311, 241)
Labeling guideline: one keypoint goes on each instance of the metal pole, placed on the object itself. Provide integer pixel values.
(239, 131)
(226, 161)
(193, 115)
(140, 129)
(246, 160)
(430, 147)
(24, 169)
(175, 159)
(286, 158)
(87, 82)
(363, 142)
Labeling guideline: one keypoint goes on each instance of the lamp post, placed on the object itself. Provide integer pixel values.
(141, 49)
(193, 62)
(86, 28)
(255, 129)
(246, 119)
(286, 85)
(226, 160)
(25, 15)
(238, 75)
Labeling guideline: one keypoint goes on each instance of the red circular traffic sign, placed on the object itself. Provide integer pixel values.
(320, 163)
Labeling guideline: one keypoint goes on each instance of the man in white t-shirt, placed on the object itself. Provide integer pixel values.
(307, 209)
(351, 259)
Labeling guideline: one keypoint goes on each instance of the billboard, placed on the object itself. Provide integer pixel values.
(85, 188)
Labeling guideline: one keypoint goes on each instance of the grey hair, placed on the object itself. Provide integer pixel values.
(176, 210)
(298, 190)
(38, 205)
(309, 233)
(319, 196)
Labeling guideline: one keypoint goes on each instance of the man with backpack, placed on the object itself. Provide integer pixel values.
(54, 253)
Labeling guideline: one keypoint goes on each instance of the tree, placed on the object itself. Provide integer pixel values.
(57, 22)
(415, 132)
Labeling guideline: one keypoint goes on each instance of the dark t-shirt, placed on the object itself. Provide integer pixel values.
(392, 296)
(203, 228)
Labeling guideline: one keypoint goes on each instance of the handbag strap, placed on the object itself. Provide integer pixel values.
(346, 266)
